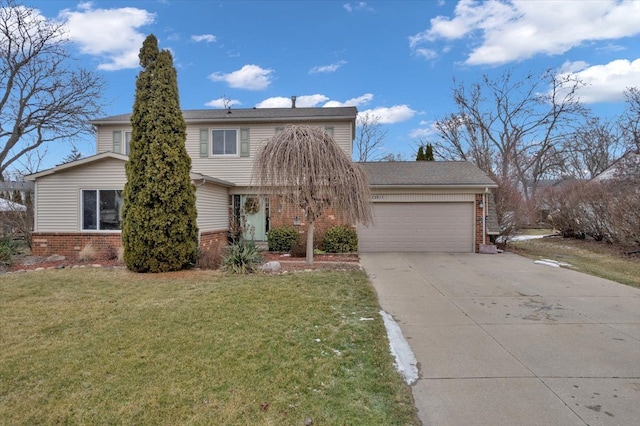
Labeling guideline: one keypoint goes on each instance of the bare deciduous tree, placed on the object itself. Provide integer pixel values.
(591, 149)
(630, 120)
(370, 137)
(306, 167)
(513, 130)
(43, 96)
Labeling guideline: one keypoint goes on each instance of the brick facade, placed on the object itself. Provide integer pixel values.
(106, 244)
(478, 223)
(70, 243)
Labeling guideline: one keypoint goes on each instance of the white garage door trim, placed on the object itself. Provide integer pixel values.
(445, 227)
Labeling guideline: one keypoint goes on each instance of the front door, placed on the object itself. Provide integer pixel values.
(254, 214)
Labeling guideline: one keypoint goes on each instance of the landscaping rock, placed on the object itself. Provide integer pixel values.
(272, 266)
(55, 258)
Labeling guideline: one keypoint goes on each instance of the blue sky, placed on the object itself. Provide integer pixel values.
(395, 59)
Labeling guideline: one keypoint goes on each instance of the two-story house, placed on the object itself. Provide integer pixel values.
(431, 206)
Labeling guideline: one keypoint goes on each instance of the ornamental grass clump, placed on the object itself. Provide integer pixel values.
(241, 258)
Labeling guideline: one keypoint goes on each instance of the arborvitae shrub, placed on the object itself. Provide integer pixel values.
(282, 238)
(159, 231)
(340, 239)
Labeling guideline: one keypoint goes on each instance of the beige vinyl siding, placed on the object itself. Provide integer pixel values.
(105, 137)
(58, 195)
(212, 202)
(410, 197)
(234, 169)
(238, 169)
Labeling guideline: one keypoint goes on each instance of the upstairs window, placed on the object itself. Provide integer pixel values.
(127, 143)
(101, 210)
(225, 142)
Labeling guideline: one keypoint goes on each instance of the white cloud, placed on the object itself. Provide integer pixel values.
(304, 101)
(391, 115)
(514, 30)
(223, 103)
(209, 38)
(426, 53)
(360, 100)
(426, 131)
(604, 83)
(249, 77)
(308, 101)
(327, 68)
(357, 6)
(110, 34)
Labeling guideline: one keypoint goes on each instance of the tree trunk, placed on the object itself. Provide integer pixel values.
(310, 242)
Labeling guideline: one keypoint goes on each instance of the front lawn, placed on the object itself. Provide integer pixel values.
(592, 257)
(100, 346)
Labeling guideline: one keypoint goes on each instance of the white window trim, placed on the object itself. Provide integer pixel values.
(237, 154)
(105, 231)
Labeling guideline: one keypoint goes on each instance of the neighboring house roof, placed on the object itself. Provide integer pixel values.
(251, 115)
(124, 158)
(629, 163)
(426, 173)
(10, 206)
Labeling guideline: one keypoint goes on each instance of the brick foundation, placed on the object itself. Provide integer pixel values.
(478, 223)
(215, 240)
(106, 244)
(69, 244)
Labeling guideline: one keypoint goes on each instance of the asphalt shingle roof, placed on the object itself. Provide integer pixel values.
(426, 173)
(252, 114)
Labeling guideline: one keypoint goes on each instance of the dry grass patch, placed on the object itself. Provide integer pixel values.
(595, 258)
(113, 347)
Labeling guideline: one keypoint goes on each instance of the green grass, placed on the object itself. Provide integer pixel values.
(591, 257)
(113, 347)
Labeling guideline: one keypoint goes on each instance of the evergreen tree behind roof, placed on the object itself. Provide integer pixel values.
(159, 231)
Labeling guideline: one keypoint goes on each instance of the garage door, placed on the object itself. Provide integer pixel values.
(418, 227)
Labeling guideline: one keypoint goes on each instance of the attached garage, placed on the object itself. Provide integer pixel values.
(426, 206)
(419, 227)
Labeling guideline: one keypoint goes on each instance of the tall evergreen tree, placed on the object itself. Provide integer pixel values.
(428, 153)
(420, 156)
(159, 231)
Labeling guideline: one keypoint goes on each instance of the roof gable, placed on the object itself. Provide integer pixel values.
(73, 164)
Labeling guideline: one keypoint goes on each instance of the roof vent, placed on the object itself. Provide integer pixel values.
(293, 102)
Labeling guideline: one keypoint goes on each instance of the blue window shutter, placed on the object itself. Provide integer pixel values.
(204, 142)
(244, 142)
(117, 141)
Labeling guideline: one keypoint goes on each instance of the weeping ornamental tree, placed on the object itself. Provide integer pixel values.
(159, 231)
(305, 167)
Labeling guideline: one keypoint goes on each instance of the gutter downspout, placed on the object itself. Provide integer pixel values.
(484, 216)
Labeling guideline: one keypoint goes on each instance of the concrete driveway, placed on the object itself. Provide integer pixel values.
(503, 341)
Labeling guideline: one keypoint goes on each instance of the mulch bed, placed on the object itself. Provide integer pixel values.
(336, 262)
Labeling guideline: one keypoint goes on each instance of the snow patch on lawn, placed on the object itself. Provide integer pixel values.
(550, 262)
(406, 362)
